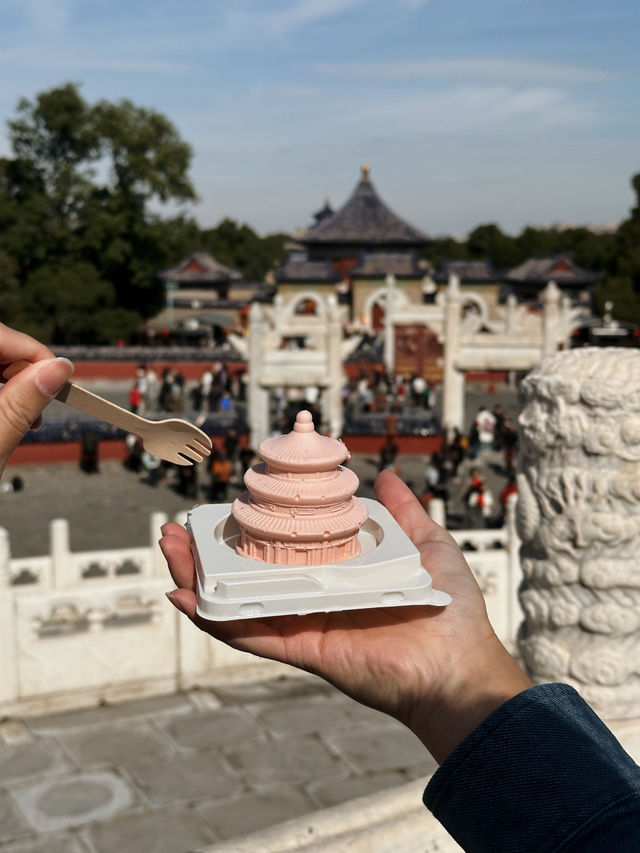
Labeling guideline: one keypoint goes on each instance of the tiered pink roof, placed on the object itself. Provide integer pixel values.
(299, 507)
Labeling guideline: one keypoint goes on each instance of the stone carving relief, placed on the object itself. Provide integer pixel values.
(578, 518)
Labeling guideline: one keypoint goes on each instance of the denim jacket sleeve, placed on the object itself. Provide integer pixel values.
(542, 773)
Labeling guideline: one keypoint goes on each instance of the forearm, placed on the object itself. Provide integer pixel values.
(493, 679)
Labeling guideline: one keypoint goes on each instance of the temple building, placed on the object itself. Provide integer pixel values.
(474, 276)
(528, 280)
(204, 299)
(351, 251)
(201, 271)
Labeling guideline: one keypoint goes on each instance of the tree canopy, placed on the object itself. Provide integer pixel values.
(81, 239)
(615, 254)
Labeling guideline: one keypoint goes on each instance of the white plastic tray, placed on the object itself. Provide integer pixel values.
(387, 572)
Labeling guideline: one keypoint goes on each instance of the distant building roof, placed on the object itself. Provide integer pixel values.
(469, 271)
(365, 220)
(324, 213)
(301, 270)
(381, 264)
(200, 268)
(559, 268)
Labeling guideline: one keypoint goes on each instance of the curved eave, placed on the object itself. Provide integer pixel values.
(318, 528)
(301, 492)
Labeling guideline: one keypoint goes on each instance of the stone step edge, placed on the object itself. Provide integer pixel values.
(390, 821)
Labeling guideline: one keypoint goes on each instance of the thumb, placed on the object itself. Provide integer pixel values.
(25, 395)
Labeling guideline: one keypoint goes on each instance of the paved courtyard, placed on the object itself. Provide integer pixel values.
(177, 773)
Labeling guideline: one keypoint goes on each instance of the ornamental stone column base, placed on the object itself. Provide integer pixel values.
(578, 518)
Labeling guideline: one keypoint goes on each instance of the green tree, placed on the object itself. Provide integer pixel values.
(147, 157)
(10, 302)
(622, 286)
(71, 303)
(55, 138)
(488, 241)
(239, 247)
(445, 249)
(57, 218)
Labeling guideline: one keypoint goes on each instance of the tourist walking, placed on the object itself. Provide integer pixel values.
(485, 422)
(480, 504)
(220, 472)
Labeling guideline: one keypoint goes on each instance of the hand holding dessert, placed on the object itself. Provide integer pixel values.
(440, 671)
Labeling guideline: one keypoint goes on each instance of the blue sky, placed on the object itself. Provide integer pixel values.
(507, 111)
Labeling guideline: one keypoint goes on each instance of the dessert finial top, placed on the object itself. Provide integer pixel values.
(304, 422)
(303, 449)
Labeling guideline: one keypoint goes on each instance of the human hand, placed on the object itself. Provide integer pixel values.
(439, 670)
(30, 376)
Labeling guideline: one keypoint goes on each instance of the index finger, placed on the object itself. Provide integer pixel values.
(16, 346)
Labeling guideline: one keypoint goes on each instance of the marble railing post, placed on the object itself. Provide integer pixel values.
(8, 645)
(550, 317)
(335, 370)
(389, 329)
(453, 379)
(258, 396)
(578, 516)
(61, 565)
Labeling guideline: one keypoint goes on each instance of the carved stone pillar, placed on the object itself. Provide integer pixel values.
(578, 517)
(389, 354)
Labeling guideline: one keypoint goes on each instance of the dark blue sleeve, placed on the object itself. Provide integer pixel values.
(541, 773)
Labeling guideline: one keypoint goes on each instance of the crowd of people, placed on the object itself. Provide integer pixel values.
(373, 392)
(492, 435)
(215, 391)
(230, 458)
(380, 391)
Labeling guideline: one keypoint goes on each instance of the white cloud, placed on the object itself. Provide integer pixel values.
(461, 109)
(303, 12)
(513, 71)
(308, 11)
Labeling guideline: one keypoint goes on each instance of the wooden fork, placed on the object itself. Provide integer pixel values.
(172, 439)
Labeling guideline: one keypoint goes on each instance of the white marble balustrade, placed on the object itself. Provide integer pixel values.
(80, 628)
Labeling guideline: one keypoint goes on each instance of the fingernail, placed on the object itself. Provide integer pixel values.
(53, 376)
(175, 603)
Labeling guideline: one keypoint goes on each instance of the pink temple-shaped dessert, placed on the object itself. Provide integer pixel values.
(299, 509)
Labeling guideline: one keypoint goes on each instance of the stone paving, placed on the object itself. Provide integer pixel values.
(172, 774)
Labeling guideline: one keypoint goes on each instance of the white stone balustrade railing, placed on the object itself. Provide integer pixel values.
(78, 628)
(494, 558)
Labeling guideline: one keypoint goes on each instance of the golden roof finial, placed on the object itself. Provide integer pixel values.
(366, 171)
